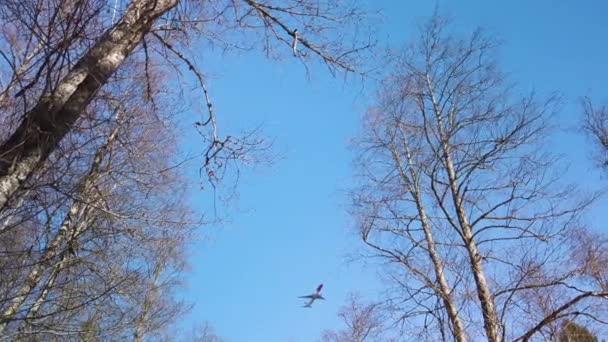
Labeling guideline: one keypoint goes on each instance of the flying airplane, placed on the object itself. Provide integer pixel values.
(313, 297)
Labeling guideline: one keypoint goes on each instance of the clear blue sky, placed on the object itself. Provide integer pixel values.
(291, 230)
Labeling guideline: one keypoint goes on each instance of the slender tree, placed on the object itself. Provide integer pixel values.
(83, 49)
(93, 227)
(109, 240)
(462, 200)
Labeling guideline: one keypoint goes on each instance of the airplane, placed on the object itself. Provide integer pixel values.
(313, 297)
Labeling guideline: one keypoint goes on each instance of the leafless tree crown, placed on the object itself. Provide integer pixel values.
(94, 223)
(465, 205)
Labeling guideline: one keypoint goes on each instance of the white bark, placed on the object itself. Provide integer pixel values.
(52, 118)
(36, 273)
(490, 317)
(444, 289)
(74, 224)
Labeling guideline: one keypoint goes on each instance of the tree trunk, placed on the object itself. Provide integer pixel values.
(70, 225)
(444, 289)
(490, 318)
(35, 275)
(50, 282)
(52, 118)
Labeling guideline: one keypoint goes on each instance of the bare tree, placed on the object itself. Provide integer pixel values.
(364, 322)
(83, 48)
(595, 125)
(52, 117)
(461, 199)
(93, 229)
(110, 240)
(205, 333)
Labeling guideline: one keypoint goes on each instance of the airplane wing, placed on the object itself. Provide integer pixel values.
(309, 303)
(309, 296)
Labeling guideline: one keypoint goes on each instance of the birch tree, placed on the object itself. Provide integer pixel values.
(109, 245)
(464, 203)
(92, 225)
(63, 52)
